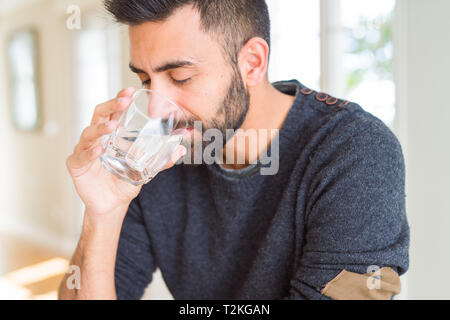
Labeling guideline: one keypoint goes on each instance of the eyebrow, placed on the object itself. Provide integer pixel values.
(165, 67)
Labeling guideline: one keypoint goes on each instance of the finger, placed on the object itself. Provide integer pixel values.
(92, 135)
(129, 92)
(83, 159)
(179, 153)
(105, 111)
(116, 116)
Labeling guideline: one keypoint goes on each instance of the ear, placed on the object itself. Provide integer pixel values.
(253, 61)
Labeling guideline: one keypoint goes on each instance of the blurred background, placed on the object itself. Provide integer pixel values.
(59, 59)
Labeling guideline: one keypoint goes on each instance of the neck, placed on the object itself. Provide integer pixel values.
(267, 112)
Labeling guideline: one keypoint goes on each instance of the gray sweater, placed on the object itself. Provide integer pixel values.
(337, 202)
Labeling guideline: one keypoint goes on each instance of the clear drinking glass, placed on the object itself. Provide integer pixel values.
(148, 133)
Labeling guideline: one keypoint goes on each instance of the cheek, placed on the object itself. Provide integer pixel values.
(202, 99)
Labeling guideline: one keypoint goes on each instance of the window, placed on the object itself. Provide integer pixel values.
(97, 61)
(369, 55)
(342, 47)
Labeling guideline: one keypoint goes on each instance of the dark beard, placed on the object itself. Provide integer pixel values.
(234, 107)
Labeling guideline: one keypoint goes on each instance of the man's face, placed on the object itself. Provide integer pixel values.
(176, 58)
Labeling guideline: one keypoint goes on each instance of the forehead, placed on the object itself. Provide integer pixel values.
(178, 37)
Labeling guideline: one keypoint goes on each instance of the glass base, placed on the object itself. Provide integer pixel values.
(120, 168)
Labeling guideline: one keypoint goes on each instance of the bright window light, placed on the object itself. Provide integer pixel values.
(295, 41)
(368, 59)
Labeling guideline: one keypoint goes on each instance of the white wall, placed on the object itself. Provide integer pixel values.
(424, 117)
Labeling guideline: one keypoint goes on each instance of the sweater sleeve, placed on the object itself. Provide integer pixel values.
(355, 214)
(134, 262)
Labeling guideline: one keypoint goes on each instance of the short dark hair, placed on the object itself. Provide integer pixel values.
(233, 22)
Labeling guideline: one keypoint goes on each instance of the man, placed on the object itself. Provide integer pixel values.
(330, 223)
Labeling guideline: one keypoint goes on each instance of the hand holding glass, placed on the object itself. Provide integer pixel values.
(148, 133)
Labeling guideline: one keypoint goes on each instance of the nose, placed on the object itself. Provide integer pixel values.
(162, 103)
(161, 107)
(156, 105)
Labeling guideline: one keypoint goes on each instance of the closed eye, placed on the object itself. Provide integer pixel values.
(177, 82)
(181, 82)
